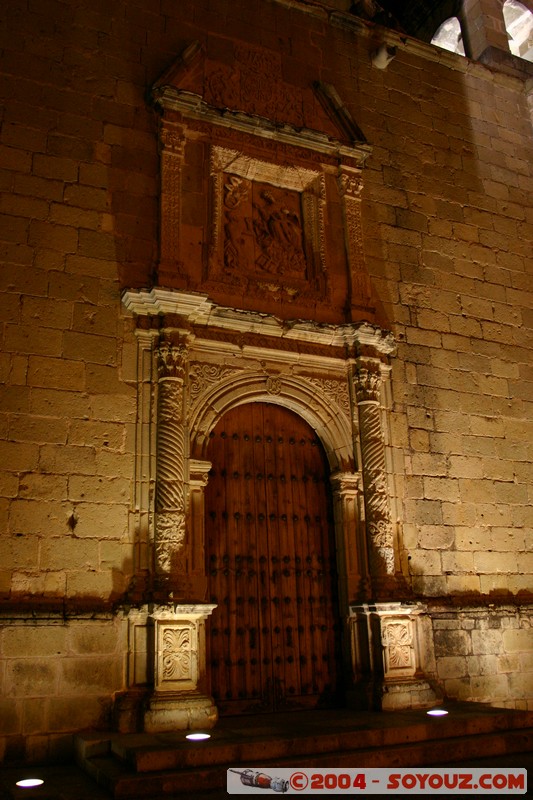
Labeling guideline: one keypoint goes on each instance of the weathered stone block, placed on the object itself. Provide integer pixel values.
(452, 643)
(10, 716)
(20, 641)
(518, 640)
(451, 667)
(32, 677)
(88, 676)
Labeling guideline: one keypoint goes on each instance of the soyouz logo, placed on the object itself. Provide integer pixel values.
(415, 780)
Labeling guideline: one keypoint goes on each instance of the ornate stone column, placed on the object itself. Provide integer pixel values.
(379, 528)
(170, 477)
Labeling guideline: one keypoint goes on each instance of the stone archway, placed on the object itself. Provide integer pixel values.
(198, 362)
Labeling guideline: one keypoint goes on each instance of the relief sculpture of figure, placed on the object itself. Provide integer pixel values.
(235, 191)
(279, 234)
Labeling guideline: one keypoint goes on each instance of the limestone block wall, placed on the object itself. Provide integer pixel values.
(57, 675)
(485, 655)
(447, 236)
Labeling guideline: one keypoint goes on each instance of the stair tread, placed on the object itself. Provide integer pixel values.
(150, 766)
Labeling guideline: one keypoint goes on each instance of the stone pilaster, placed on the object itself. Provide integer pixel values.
(172, 149)
(350, 188)
(347, 503)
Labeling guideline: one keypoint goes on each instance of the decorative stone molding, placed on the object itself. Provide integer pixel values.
(198, 309)
(263, 98)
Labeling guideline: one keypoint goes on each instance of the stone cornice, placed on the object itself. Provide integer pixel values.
(199, 310)
(193, 106)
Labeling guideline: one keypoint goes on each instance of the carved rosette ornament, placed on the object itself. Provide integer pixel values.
(170, 486)
(377, 506)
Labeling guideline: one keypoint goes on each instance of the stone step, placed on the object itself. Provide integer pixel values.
(166, 765)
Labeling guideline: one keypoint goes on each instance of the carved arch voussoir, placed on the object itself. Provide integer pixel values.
(305, 399)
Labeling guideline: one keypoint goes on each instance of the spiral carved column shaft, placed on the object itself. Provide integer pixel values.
(170, 492)
(377, 506)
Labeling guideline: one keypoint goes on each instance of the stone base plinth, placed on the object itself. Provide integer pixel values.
(408, 694)
(179, 711)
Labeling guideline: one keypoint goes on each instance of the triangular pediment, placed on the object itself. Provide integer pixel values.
(245, 87)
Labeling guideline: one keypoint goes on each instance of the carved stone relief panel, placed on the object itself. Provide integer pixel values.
(398, 648)
(254, 81)
(267, 230)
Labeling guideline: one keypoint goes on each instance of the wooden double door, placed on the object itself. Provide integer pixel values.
(274, 638)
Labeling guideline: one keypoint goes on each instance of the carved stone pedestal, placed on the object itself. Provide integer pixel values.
(391, 647)
(166, 670)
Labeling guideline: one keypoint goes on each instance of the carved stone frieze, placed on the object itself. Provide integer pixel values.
(336, 390)
(202, 375)
(254, 81)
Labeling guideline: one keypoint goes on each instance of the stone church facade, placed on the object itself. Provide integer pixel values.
(267, 395)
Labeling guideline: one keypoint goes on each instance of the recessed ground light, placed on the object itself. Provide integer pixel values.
(28, 783)
(196, 737)
(437, 712)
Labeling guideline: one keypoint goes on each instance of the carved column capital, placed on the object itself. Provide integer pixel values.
(346, 483)
(350, 184)
(172, 139)
(199, 472)
(368, 382)
(171, 359)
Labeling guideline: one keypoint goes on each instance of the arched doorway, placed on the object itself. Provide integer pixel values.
(274, 638)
